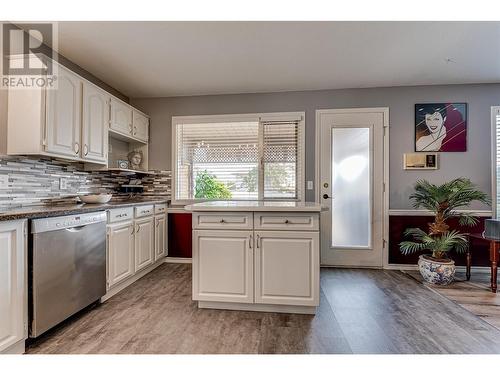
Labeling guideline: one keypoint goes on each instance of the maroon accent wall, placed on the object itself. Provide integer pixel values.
(179, 235)
(398, 224)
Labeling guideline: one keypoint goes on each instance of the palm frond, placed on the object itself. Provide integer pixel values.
(467, 220)
(410, 247)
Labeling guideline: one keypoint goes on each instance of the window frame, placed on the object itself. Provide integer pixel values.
(495, 111)
(259, 117)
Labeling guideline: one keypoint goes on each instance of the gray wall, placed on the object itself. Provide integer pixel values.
(475, 163)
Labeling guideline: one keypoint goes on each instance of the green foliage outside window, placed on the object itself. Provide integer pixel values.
(208, 187)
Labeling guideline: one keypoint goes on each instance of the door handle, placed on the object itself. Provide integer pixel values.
(326, 196)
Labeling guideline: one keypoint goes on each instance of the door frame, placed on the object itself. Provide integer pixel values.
(317, 164)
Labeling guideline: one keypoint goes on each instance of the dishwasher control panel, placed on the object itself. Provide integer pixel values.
(65, 222)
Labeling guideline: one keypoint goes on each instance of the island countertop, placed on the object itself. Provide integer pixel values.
(251, 206)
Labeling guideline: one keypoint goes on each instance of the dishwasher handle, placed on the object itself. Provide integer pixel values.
(75, 229)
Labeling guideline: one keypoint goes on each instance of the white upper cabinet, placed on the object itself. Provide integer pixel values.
(121, 117)
(140, 126)
(71, 121)
(64, 115)
(95, 120)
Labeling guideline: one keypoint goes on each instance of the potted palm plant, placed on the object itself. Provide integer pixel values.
(444, 201)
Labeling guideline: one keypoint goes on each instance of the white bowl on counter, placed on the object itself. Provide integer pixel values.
(95, 198)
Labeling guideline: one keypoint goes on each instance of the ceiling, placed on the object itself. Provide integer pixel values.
(156, 59)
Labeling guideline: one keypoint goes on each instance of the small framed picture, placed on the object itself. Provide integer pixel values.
(441, 127)
(123, 164)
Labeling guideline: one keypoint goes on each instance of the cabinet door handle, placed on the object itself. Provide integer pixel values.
(85, 150)
(257, 241)
(133, 230)
(250, 243)
(135, 130)
(222, 220)
(287, 221)
(138, 229)
(77, 148)
(130, 128)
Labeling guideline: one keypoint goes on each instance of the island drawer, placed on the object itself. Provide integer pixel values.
(224, 220)
(286, 221)
(160, 208)
(143, 211)
(120, 214)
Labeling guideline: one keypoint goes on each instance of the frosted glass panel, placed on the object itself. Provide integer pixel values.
(351, 188)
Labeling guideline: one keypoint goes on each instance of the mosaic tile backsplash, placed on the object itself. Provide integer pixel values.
(35, 181)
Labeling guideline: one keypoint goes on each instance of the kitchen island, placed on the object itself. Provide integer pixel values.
(256, 255)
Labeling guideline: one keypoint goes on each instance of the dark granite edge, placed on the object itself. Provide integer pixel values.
(37, 212)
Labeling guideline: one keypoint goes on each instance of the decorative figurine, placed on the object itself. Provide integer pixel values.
(135, 159)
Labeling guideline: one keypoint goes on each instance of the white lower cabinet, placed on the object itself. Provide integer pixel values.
(137, 242)
(223, 266)
(144, 243)
(160, 236)
(286, 268)
(120, 252)
(258, 267)
(13, 286)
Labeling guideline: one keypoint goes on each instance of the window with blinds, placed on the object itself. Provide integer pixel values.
(496, 170)
(240, 160)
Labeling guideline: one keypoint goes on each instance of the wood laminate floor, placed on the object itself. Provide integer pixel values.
(474, 295)
(361, 311)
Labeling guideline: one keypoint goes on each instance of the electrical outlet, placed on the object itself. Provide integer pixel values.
(310, 185)
(63, 183)
(4, 180)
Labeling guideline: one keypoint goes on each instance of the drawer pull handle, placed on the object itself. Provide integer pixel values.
(222, 220)
(287, 221)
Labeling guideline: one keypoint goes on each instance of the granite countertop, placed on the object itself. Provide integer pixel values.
(36, 212)
(255, 206)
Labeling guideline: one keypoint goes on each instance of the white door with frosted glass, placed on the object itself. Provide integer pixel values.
(351, 151)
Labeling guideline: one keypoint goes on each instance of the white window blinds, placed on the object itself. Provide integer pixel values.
(217, 160)
(238, 160)
(280, 159)
(497, 166)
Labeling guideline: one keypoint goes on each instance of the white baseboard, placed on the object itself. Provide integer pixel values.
(178, 260)
(257, 307)
(119, 287)
(18, 348)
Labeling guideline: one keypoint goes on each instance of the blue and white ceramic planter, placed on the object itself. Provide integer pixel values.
(436, 271)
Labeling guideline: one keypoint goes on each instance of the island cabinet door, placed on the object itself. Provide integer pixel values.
(287, 268)
(223, 266)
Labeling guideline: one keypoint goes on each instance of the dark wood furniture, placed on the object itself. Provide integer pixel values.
(494, 248)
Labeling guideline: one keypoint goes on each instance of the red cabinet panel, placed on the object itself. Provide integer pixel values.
(179, 235)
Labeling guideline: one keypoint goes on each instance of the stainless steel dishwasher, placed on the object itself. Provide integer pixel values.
(67, 267)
